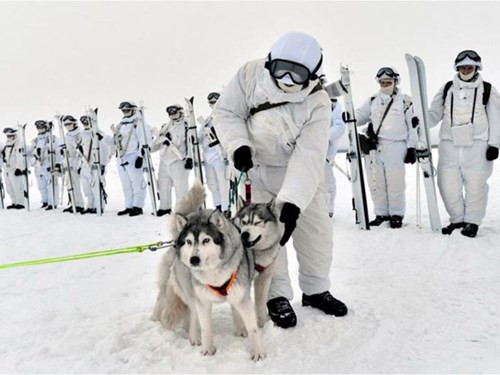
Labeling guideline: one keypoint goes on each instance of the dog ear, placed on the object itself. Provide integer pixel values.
(217, 219)
(180, 222)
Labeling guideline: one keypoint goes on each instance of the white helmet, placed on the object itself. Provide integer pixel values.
(388, 73)
(468, 57)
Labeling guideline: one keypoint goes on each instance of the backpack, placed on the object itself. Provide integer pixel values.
(486, 91)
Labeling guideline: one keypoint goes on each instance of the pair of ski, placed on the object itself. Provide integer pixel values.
(424, 155)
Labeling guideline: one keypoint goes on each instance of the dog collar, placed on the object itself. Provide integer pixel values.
(259, 268)
(223, 290)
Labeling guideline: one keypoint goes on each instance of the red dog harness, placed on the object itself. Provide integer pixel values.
(223, 290)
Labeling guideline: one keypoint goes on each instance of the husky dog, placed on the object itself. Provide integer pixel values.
(209, 264)
(260, 234)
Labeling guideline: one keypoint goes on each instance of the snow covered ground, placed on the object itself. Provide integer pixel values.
(419, 302)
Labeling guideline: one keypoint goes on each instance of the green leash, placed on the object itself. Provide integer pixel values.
(126, 250)
(235, 191)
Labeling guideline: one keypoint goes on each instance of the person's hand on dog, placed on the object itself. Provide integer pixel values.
(289, 215)
(243, 159)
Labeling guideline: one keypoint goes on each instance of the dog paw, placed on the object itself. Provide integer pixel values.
(208, 351)
(195, 341)
(241, 332)
(261, 321)
(257, 355)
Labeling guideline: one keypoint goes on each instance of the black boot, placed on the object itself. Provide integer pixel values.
(44, 204)
(396, 221)
(326, 303)
(450, 228)
(49, 208)
(378, 220)
(162, 212)
(19, 207)
(281, 312)
(124, 212)
(90, 211)
(12, 206)
(135, 211)
(68, 209)
(470, 230)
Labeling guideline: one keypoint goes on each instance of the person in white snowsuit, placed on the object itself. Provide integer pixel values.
(176, 158)
(47, 176)
(273, 119)
(73, 139)
(91, 167)
(214, 159)
(469, 111)
(14, 169)
(390, 113)
(129, 140)
(337, 129)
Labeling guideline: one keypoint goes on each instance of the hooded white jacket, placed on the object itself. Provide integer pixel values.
(292, 136)
(486, 125)
(397, 124)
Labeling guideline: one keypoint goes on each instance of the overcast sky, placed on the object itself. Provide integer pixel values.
(62, 56)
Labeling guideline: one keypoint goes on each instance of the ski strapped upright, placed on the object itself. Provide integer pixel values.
(24, 153)
(67, 168)
(418, 85)
(193, 139)
(52, 163)
(149, 167)
(97, 179)
(354, 156)
(2, 190)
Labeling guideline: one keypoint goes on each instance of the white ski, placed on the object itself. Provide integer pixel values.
(193, 139)
(67, 168)
(354, 156)
(418, 85)
(23, 150)
(95, 167)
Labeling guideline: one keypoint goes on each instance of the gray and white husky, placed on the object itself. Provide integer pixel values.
(208, 264)
(260, 234)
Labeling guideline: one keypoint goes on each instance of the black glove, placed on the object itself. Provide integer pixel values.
(166, 142)
(491, 153)
(189, 163)
(168, 135)
(243, 159)
(99, 136)
(346, 116)
(103, 169)
(415, 121)
(138, 162)
(411, 155)
(79, 170)
(57, 168)
(18, 172)
(289, 215)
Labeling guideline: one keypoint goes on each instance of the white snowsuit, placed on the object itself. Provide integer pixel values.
(337, 129)
(73, 139)
(462, 164)
(172, 171)
(129, 138)
(41, 155)
(216, 164)
(289, 144)
(89, 177)
(12, 160)
(385, 166)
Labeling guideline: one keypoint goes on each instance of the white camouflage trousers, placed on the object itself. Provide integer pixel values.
(45, 187)
(217, 183)
(15, 187)
(385, 171)
(132, 179)
(312, 238)
(172, 175)
(463, 173)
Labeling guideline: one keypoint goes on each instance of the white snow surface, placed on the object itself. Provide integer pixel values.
(419, 302)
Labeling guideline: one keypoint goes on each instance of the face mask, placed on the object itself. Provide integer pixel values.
(289, 89)
(466, 77)
(387, 90)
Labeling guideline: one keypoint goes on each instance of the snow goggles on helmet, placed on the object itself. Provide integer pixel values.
(172, 110)
(85, 120)
(213, 96)
(298, 73)
(468, 53)
(41, 124)
(387, 71)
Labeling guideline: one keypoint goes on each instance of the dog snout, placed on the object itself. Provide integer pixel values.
(195, 260)
(245, 236)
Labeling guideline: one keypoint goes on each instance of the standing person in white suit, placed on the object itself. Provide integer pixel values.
(129, 139)
(73, 139)
(214, 160)
(337, 129)
(41, 153)
(176, 160)
(390, 113)
(273, 119)
(469, 111)
(14, 170)
(86, 151)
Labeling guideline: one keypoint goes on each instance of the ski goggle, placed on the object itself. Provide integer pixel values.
(298, 73)
(85, 120)
(41, 124)
(213, 97)
(468, 53)
(387, 71)
(172, 110)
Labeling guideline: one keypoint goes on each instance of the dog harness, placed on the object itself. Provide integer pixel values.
(223, 290)
(259, 268)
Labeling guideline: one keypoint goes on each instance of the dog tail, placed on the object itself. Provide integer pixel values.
(193, 200)
(169, 309)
